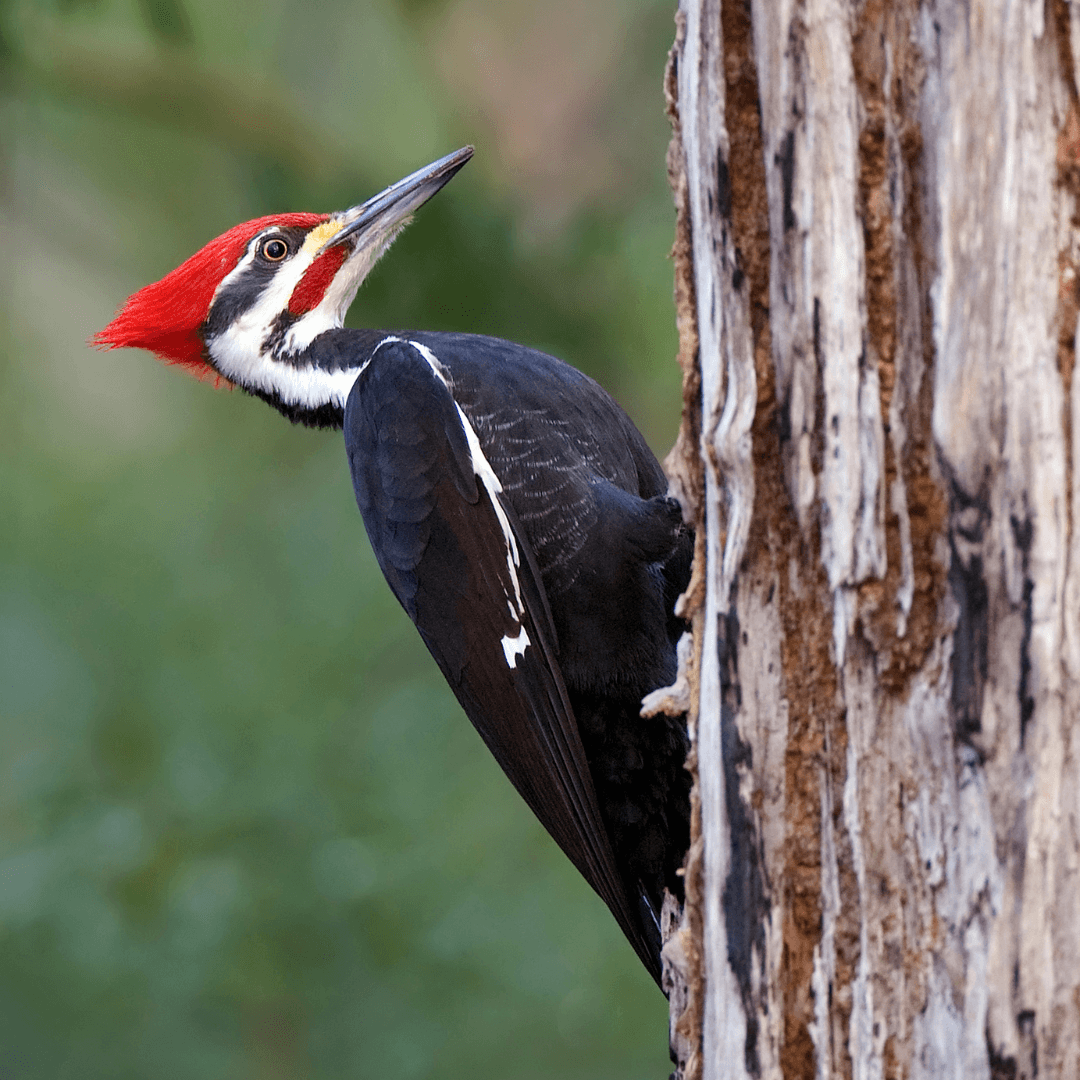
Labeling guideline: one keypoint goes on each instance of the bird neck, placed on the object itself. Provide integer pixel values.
(308, 386)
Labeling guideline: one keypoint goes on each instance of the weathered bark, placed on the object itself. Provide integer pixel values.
(876, 282)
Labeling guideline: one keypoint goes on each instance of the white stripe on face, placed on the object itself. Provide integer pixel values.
(242, 352)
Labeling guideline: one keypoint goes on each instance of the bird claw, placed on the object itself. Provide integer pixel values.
(673, 700)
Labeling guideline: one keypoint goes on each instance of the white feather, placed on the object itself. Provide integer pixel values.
(512, 647)
(242, 353)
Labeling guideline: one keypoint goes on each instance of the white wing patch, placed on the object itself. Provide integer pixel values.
(513, 647)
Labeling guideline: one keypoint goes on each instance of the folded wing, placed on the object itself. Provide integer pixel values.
(455, 557)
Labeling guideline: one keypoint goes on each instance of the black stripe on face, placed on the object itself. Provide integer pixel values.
(275, 340)
(243, 293)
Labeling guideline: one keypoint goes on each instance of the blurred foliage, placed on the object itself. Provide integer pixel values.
(245, 830)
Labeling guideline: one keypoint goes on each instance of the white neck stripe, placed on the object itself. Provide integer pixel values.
(512, 647)
(243, 354)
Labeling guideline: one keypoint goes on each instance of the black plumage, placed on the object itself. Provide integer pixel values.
(601, 556)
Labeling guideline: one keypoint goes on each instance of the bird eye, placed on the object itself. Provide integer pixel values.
(274, 249)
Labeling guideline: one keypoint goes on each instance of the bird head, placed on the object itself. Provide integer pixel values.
(248, 306)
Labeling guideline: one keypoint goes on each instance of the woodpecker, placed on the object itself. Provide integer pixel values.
(516, 512)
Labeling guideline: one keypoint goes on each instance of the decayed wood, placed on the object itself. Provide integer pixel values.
(878, 208)
(682, 932)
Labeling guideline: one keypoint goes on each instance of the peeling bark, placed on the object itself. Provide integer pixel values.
(878, 302)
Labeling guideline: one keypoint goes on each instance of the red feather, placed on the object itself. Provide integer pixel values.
(165, 317)
(311, 288)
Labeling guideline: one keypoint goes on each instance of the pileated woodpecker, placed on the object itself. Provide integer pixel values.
(516, 512)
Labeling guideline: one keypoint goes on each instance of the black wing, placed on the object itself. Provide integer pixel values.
(459, 564)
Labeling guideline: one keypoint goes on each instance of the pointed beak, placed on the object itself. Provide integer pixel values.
(380, 214)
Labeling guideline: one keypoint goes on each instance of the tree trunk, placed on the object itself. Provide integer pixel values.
(876, 283)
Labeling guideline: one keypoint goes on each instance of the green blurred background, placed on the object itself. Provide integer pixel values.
(245, 830)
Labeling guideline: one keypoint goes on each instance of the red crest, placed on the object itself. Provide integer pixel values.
(165, 317)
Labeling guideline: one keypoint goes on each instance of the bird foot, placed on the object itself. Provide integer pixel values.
(673, 700)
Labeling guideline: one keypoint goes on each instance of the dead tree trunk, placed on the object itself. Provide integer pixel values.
(876, 279)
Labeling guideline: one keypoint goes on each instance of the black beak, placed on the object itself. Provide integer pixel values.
(381, 213)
